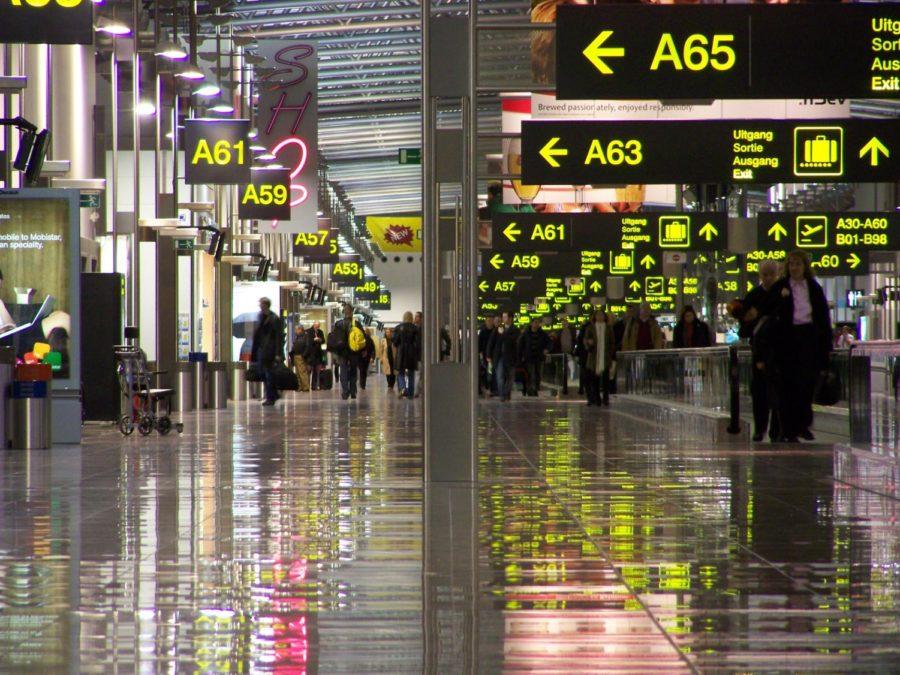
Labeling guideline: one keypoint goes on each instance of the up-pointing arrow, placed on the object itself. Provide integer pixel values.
(648, 261)
(709, 231)
(635, 286)
(595, 286)
(777, 232)
(872, 148)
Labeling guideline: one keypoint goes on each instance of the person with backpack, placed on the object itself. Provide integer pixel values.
(365, 359)
(408, 343)
(346, 340)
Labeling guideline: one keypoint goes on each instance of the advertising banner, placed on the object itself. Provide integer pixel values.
(394, 234)
(39, 278)
(288, 126)
(53, 22)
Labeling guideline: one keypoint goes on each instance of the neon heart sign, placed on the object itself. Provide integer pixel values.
(303, 155)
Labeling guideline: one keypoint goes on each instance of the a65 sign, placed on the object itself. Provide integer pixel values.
(267, 196)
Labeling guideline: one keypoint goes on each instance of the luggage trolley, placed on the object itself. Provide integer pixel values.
(143, 400)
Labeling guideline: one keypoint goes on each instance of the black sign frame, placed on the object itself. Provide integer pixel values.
(217, 152)
(263, 186)
(51, 24)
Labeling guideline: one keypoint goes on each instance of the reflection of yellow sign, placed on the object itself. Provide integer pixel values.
(396, 235)
(621, 262)
(674, 231)
(818, 151)
(812, 231)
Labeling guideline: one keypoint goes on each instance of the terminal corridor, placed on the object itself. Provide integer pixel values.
(291, 540)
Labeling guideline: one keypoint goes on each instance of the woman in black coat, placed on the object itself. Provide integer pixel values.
(690, 331)
(408, 343)
(802, 344)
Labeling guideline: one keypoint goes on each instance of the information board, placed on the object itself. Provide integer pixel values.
(824, 263)
(52, 22)
(843, 232)
(267, 196)
(712, 151)
(382, 301)
(728, 51)
(348, 271)
(217, 152)
(619, 231)
(317, 247)
(367, 289)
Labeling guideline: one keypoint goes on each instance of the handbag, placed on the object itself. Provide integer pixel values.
(284, 379)
(828, 389)
(254, 374)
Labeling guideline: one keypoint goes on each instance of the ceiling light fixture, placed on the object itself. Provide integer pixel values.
(146, 108)
(190, 71)
(208, 89)
(111, 26)
(170, 50)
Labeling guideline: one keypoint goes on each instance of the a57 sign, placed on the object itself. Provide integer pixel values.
(317, 247)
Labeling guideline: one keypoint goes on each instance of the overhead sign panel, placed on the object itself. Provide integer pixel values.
(618, 231)
(217, 152)
(53, 22)
(382, 301)
(825, 263)
(317, 247)
(752, 151)
(834, 232)
(367, 289)
(267, 196)
(735, 51)
(348, 271)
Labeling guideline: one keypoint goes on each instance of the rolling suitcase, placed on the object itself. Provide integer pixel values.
(326, 379)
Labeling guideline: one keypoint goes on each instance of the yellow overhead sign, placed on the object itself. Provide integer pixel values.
(396, 234)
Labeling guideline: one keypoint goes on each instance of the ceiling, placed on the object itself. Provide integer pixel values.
(370, 64)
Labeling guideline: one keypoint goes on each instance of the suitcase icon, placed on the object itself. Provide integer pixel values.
(820, 150)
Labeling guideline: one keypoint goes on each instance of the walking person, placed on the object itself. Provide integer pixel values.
(386, 354)
(534, 346)
(267, 349)
(599, 344)
(315, 354)
(567, 341)
(417, 321)
(408, 342)
(690, 331)
(803, 344)
(503, 350)
(297, 356)
(344, 344)
(484, 336)
(757, 325)
(365, 359)
(643, 332)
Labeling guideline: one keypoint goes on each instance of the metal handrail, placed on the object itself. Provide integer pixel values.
(874, 416)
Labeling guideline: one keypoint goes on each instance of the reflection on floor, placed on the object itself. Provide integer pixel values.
(291, 540)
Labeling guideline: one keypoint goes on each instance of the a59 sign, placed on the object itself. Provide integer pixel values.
(46, 21)
(217, 152)
(267, 196)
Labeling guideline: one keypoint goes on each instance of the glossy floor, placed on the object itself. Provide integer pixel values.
(293, 540)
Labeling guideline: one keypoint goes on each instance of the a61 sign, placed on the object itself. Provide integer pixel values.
(267, 196)
(217, 152)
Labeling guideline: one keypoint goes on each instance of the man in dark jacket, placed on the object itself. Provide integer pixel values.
(365, 360)
(757, 325)
(267, 349)
(347, 359)
(297, 357)
(504, 355)
(408, 342)
(534, 346)
(314, 356)
(484, 336)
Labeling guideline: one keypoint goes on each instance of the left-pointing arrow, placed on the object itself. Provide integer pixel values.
(497, 261)
(511, 231)
(549, 152)
(596, 52)
(483, 286)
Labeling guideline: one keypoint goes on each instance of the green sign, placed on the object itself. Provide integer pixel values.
(184, 245)
(409, 156)
(90, 200)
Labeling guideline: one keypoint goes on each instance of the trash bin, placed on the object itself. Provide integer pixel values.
(184, 387)
(29, 425)
(7, 368)
(218, 385)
